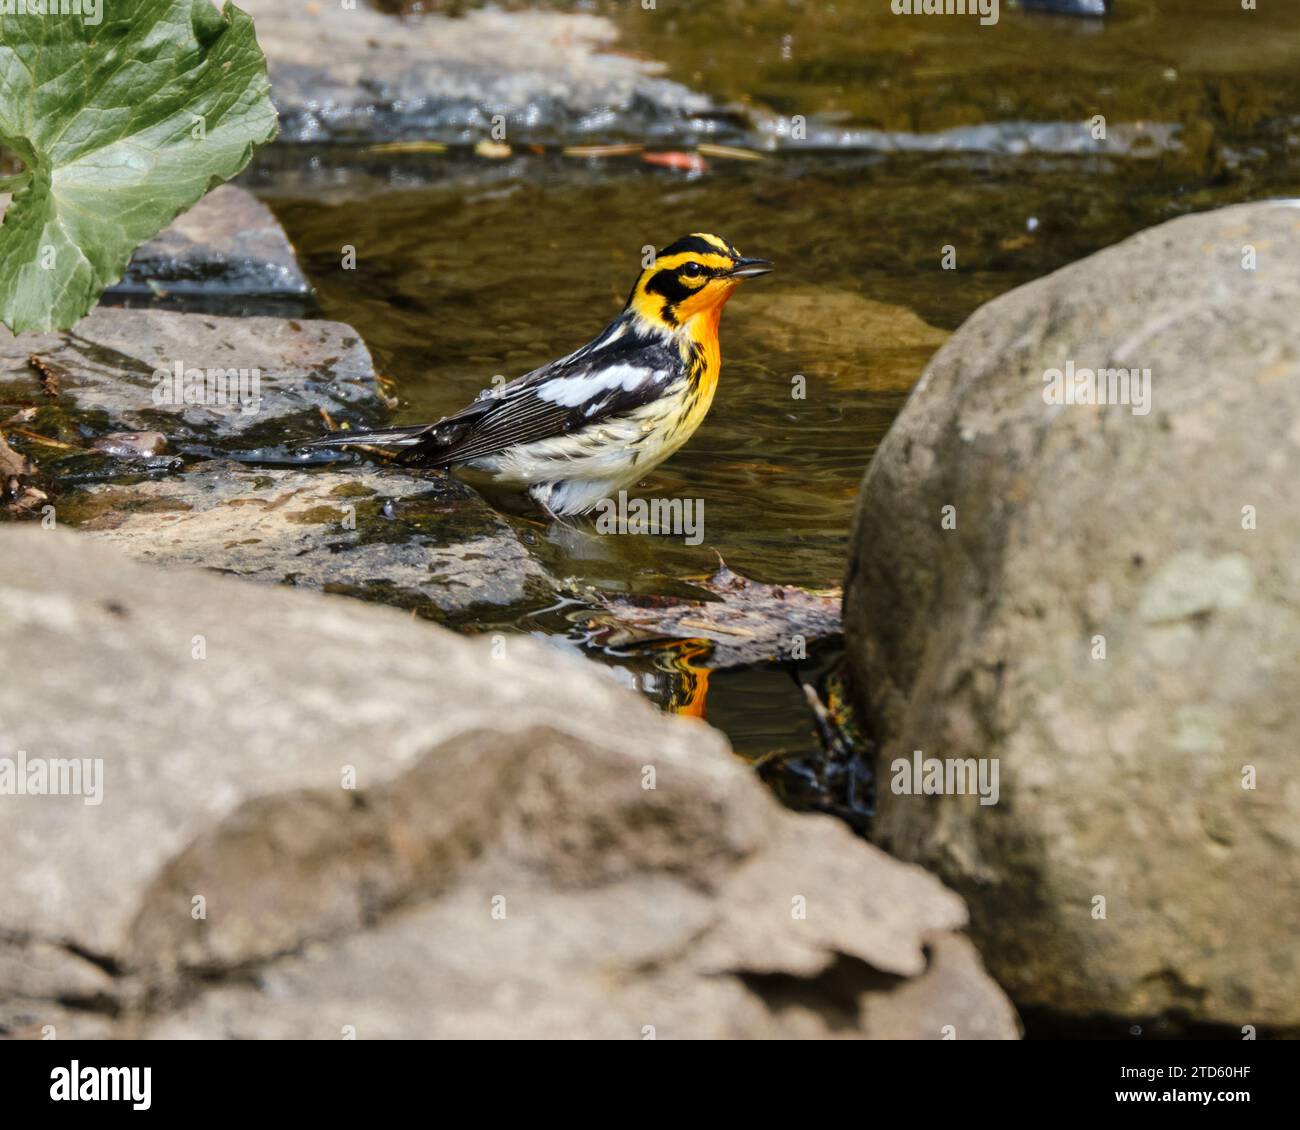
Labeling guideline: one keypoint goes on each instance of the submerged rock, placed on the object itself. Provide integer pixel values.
(362, 75)
(1070, 7)
(380, 534)
(1100, 600)
(870, 344)
(313, 815)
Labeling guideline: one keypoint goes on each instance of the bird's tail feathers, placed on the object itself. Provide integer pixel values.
(377, 437)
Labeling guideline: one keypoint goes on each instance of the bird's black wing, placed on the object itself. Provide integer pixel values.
(616, 373)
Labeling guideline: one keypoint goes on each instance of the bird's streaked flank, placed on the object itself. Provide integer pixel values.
(590, 424)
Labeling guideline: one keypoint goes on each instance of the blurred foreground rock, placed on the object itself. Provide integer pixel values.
(1113, 618)
(499, 869)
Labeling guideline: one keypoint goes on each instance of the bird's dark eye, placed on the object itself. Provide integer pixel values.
(693, 270)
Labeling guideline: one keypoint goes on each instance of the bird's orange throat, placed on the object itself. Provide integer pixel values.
(700, 325)
(699, 336)
(708, 303)
(703, 327)
(702, 332)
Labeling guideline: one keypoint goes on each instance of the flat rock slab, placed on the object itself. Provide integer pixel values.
(313, 813)
(228, 244)
(340, 75)
(103, 374)
(374, 533)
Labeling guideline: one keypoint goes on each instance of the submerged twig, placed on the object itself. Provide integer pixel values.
(36, 437)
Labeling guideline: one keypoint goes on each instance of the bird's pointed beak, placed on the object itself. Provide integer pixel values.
(749, 268)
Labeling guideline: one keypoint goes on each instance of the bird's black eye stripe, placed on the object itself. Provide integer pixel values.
(669, 285)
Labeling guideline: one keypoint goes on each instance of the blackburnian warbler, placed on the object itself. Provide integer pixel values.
(582, 428)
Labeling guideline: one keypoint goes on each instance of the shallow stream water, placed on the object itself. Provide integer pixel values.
(467, 268)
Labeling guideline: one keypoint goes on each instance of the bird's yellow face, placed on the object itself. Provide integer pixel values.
(694, 276)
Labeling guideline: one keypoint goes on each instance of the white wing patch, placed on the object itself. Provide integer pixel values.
(569, 392)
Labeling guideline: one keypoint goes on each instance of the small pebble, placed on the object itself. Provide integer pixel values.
(131, 445)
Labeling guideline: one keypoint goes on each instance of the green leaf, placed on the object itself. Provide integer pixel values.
(120, 126)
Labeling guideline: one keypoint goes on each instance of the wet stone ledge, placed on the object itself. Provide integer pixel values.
(226, 255)
(404, 539)
(276, 376)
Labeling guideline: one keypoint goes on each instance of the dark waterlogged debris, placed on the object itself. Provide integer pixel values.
(746, 621)
(94, 466)
(277, 455)
(839, 779)
(19, 495)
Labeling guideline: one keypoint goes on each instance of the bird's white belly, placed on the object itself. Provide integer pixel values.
(571, 473)
(617, 450)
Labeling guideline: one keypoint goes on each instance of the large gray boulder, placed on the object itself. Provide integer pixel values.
(1110, 612)
(315, 818)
